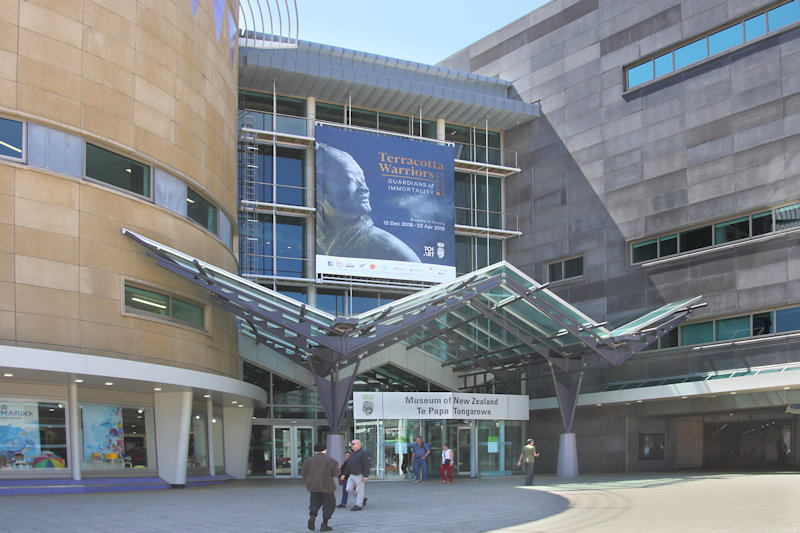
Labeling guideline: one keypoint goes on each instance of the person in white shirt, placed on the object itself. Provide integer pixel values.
(447, 464)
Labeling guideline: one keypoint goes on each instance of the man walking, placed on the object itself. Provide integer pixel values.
(357, 473)
(529, 455)
(420, 458)
(319, 471)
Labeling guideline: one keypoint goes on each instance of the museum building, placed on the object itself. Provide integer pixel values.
(622, 157)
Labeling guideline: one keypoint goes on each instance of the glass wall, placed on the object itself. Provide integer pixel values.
(32, 435)
(116, 437)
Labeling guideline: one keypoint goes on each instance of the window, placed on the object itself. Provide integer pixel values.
(117, 170)
(729, 37)
(763, 323)
(743, 227)
(138, 300)
(55, 150)
(471, 203)
(733, 328)
(281, 254)
(697, 333)
(289, 184)
(787, 319)
(732, 230)
(364, 118)
(651, 446)
(201, 210)
(423, 128)
(11, 138)
(473, 253)
(34, 435)
(393, 123)
(330, 112)
(114, 436)
(695, 238)
(566, 269)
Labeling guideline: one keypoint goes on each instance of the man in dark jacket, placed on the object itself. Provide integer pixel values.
(319, 471)
(358, 471)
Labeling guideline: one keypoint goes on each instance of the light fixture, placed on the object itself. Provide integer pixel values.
(189, 200)
(8, 375)
(733, 393)
(213, 420)
(60, 406)
(147, 302)
(234, 401)
(78, 380)
(109, 383)
(197, 417)
(639, 401)
(240, 405)
(206, 396)
(139, 411)
(156, 389)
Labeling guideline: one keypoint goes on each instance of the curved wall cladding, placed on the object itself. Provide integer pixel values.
(153, 81)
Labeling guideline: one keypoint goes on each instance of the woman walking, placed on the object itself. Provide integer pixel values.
(447, 464)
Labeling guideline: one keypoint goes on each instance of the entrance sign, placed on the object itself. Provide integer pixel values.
(439, 405)
(385, 206)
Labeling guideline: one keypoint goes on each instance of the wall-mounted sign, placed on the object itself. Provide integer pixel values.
(439, 405)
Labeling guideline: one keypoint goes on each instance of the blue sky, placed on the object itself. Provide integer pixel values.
(426, 31)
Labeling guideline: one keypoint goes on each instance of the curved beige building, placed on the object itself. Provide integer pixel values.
(118, 115)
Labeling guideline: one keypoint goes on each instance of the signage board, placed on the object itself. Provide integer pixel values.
(439, 405)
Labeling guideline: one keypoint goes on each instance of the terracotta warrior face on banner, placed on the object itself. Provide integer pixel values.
(343, 183)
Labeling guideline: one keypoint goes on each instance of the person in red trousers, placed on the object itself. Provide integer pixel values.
(447, 464)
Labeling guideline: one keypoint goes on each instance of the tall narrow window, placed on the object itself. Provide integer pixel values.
(201, 210)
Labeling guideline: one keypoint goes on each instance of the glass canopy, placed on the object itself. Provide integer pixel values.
(495, 319)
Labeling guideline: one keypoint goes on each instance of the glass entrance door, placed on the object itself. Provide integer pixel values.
(459, 438)
(293, 445)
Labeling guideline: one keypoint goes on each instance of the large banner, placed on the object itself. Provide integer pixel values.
(439, 405)
(385, 206)
(102, 431)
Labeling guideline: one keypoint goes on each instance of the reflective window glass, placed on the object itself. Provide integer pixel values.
(690, 53)
(663, 64)
(255, 101)
(362, 302)
(733, 328)
(295, 293)
(668, 245)
(393, 123)
(573, 267)
(763, 323)
(331, 301)
(463, 199)
(732, 230)
(295, 107)
(54, 150)
(643, 251)
(10, 138)
(787, 319)
(424, 128)
(755, 27)
(787, 217)
(783, 15)
(651, 446)
(290, 234)
(640, 74)
(364, 118)
(724, 39)
(201, 210)
(463, 254)
(697, 333)
(148, 301)
(554, 272)
(117, 170)
(695, 238)
(762, 223)
(330, 112)
(487, 213)
(286, 392)
(187, 312)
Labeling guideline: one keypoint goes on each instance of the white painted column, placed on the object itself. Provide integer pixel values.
(75, 455)
(237, 424)
(210, 435)
(173, 412)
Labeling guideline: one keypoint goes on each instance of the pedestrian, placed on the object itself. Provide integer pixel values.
(343, 482)
(783, 451)
(357, 473)
(420, 459)
(530, 455)
(319, 471)
(447, 464)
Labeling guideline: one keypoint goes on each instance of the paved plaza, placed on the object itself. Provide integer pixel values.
(682, 502)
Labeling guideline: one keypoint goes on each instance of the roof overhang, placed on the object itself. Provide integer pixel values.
(376, 82)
